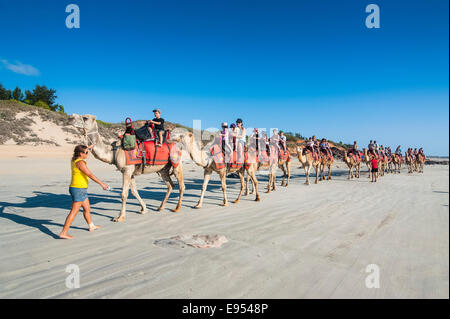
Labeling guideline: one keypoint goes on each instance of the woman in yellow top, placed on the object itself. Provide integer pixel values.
(78, 189)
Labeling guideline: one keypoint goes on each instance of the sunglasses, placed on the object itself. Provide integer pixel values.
(87, 152)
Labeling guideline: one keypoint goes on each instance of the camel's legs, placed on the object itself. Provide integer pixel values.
(126, 179)
(246, 184)
(284, 173)
(165, 175)
(241, 173)
(254, 184)
(206, 177)
(178, 171)
(269, 183)
(274, 181)
(329, 172)
(350, 172)
(307, 169)
(317, 173)
(288, 168)
(135, 193)
(223, 179)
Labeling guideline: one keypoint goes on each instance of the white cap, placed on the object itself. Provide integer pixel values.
(224, 124)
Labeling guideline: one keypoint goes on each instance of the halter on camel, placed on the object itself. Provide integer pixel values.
(79, 123)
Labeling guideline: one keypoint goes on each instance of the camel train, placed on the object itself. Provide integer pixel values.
(166, 160)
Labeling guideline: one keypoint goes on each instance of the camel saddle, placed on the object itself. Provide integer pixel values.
(356, 157)
(218, 156)
(315, 155)
(284, 155)
(149, 153)
(221, 161)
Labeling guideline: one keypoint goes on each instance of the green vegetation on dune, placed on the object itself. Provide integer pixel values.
(41, 96)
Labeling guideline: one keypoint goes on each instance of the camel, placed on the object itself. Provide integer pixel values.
(253, 166)
(352, 163)
(397, 162)
(409, 162)
(420, 162)
(383, 161)
(285, 166)
(366, 160)
(308, 162)
(390, 165)
(115, 155)
(186, 140)
(325, 161)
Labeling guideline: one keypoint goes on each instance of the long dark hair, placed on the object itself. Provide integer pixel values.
(78, 150)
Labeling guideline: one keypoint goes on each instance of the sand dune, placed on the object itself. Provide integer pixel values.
(302, 242)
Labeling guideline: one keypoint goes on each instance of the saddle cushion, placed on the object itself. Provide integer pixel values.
(154, 155)
(218, 157)
(284, 155)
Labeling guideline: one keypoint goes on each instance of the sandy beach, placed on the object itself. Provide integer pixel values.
(298, 242)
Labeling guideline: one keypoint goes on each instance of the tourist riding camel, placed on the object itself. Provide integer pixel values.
(397, 159)
(114, 154)
(366, 159)
(309, 159)
(270, 160)
(326, 159)
(353, 161)
(421, 158)
(409, 160)
(383, 161)
(210, 158)
(371, 147)
(262, 156)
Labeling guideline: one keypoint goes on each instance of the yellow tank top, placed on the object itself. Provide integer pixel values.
(79, 179)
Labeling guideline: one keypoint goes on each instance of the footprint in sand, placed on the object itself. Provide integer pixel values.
(195, 241)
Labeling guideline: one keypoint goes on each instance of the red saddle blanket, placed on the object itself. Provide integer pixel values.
(235, 159)
(284, 155)
(330, 157)
(154, 155)
(357, 157)
(315, 155)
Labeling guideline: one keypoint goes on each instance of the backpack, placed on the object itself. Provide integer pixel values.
(129, 137)
(143, 133)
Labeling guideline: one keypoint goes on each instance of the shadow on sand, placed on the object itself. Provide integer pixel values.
(12, 211)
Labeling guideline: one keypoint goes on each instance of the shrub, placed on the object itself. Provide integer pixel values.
(42, 104)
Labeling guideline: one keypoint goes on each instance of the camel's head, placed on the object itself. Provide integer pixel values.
(181, 137)
(84, 123)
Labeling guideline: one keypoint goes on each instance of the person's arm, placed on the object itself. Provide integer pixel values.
(83, 167)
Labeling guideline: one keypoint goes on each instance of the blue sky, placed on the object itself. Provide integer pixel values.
(305, 66)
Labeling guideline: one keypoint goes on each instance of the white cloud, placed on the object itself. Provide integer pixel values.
(20, 68)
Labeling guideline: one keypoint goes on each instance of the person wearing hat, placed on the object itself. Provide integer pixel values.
(275, 139)
(240, 138)
(224, 141)
(233, 132)
(283, 140)
(158, 121)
